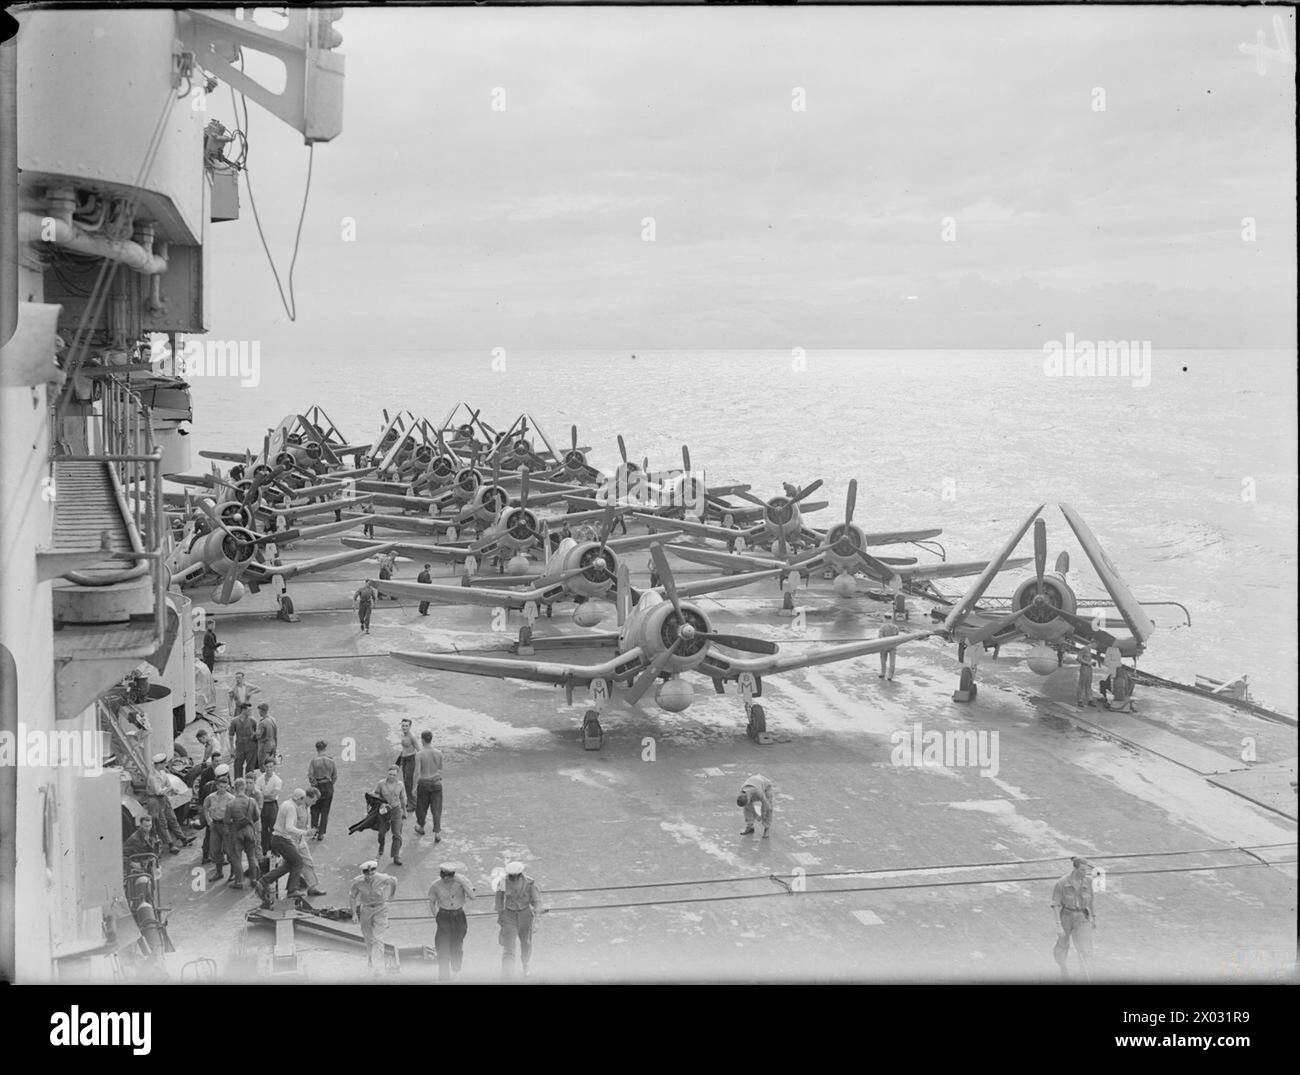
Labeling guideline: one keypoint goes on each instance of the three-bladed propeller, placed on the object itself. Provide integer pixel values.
(1040, 603)
(686, 632)
(242, 549)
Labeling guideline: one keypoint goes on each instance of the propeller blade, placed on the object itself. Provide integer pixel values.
(665, 574)
(523, 487)
(1063, 563)
(744, 643)
(745, 494)
(686, 459)
(851, 501)
(646, 678)
(997, 627)
(228, 586)
(972, 596)
(573, 430)
(622, 449)
(1040, 551)
(878, 569)
(809, 489)
(606, 525)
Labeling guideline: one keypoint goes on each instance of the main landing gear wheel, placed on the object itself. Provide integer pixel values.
(757, 728)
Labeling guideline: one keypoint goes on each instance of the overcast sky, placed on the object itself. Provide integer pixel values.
(777, 228)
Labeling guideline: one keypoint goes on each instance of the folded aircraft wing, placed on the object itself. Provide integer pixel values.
(621, 667)
(443, 554)
(717, 666)
(689, 526)
(951, 569)
(263, 573)
(731, 561)
(897, 537)
(1134, 614)
(459, 595)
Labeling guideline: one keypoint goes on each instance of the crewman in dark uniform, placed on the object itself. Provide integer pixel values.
(210, 643)
(144, 841)
(364, 599)
(447, 898)
(424, 576)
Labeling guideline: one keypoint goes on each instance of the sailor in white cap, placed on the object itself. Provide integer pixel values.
(156, 802)
(447, 898)
(518, 902)
(371, 891)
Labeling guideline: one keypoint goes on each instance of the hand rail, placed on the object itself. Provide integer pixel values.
(122, 437)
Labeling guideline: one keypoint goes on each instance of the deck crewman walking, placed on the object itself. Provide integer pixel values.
(406, 760)
(393, 794)
(428, 786)
(371, 891)
(447, 898)
(322, 774)
(1072, 906)
(518, 902)
(364, 599)
(757, 789)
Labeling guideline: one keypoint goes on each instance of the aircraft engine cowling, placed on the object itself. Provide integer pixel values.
(468, 481)
(780, 511)
(234, 514)
(313, 450)
(286, 459)
(575, 462)
(442, 467)
(236, 546)
(1055, 590)
(663, 628)
(522, 524)
(846, 538)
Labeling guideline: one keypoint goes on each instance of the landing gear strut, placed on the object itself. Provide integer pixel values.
(593, 736)
(756, 726)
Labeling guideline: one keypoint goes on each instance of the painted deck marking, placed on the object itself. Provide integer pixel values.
(805, 858)
(714, 772)
(869, 918)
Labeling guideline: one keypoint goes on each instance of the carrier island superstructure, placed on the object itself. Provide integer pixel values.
(112, 172)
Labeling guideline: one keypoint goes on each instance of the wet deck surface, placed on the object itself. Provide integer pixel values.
(881, 846)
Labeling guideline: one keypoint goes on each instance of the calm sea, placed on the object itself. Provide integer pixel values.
(1189, 482)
